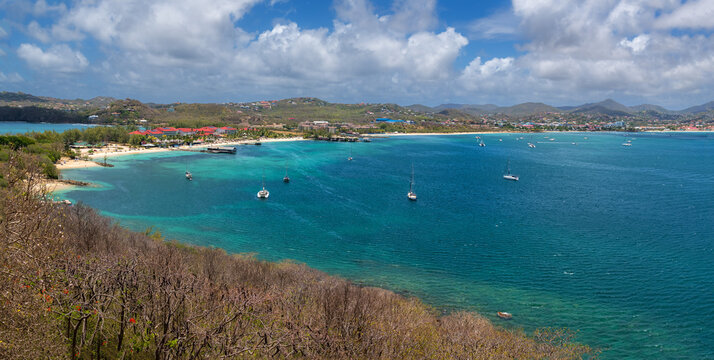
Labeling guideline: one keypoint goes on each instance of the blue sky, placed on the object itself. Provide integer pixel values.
(404, 51)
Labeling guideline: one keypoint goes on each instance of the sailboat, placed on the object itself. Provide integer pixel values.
(481, 143)
(411, 195)
(286, 179)
(263, 194)
(350, 158)
(189, 176)
(508, 175)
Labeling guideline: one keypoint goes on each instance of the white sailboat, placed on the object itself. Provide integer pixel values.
(188, 174)
(481, 143)
(508, 175)
(263, 194)
(411, 195)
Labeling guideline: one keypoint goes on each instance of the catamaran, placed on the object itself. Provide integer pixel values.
(411, 195)
(189, 176)
(508, 175)
(263, 194)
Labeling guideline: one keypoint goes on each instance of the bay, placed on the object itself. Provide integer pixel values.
(614, 242)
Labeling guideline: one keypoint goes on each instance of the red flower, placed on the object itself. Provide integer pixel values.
(131, 320)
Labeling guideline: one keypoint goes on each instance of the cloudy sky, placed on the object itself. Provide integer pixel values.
(562, 52)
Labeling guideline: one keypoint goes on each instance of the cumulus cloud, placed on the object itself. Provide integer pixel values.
(503, 24)
(694, 14)
(182, 41)
(41, 8)
(10, 78)
(58, 58)
(637, 44)
(565, 50)
(36, 31)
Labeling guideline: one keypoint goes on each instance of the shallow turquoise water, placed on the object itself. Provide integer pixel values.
(20, 127)
(615, 242)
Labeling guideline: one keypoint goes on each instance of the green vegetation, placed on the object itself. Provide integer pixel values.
(39, 114)
(75, 285)
(49, 146)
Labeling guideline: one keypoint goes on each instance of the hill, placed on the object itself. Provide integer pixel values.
(699, 109)
(19, 97)
(650, 108)
(606, 107)
(528, 109)
(36, 114)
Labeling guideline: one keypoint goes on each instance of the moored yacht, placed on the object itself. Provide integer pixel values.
(263, 193)
(508, 175)
(411, 195)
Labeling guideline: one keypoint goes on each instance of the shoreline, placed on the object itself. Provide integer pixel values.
(123, 150)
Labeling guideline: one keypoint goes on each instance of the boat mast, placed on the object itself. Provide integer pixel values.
(411, 182)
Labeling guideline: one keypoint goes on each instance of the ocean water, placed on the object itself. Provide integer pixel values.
(20, 127)
(614, 242)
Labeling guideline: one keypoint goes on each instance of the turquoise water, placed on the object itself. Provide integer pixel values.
(20, 127)
(614, 242)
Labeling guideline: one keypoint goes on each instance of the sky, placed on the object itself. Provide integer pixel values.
(561, 52)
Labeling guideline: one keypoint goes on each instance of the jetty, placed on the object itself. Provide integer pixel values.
(338, 138)
(220, 150)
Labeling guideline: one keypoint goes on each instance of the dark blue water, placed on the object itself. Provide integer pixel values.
(615, 242)
(20, 127)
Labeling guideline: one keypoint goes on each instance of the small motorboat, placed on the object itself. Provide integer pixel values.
(189, 176)
(504, 315)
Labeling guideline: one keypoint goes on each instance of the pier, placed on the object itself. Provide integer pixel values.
(220, 150)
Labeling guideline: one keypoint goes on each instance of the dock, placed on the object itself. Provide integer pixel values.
(338, 139)
(220, 150)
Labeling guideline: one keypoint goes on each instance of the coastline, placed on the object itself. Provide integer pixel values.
(125, 150)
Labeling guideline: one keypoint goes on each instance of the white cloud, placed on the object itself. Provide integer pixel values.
(503, 24)
(10, 78)
(3, 33)
(693, 14)
(36, 31)
(637, 44)
(162, 42)
(42, 8)
(58, 58)
(161, 32)
(576, 49)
